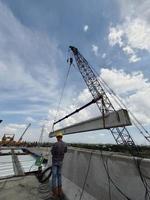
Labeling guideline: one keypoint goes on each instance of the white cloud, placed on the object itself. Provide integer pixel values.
(134, 31)
(118, 36)
(104, 55)
(84, 96)
(13, 129)
(134, 88)
(28, 64)
(138, 34)
(115, 36)
(17, 126)
(128, 50)
(95, 49)
(135, 9)
(29, 75)
(123, 82)
(85, 28)
(30, 119)
(132, 56)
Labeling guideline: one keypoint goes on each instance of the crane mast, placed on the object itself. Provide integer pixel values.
(41, 135)
(120, 134)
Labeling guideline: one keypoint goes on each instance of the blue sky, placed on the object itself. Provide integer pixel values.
(113, 35)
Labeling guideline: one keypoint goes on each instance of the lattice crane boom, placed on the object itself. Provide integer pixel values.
(120, 134)
(41, 135)
(24, 132)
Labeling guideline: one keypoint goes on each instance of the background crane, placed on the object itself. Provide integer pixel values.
(8, 139)
(20, 139)
(41, 135)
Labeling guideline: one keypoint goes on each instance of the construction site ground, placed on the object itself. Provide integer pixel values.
(25, 188)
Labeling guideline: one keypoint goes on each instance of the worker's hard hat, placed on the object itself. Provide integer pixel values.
(59, 134)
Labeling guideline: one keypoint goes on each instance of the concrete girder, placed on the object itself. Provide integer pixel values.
(111, 120)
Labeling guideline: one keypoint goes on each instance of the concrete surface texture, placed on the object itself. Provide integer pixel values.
(93, 175)
(26, 188)
(21, 188)
(96, 175)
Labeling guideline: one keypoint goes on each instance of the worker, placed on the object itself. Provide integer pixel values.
(58, 150)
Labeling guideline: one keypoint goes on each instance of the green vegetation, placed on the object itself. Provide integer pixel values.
(122, 149)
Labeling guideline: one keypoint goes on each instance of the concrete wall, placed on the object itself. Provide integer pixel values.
(83, 168)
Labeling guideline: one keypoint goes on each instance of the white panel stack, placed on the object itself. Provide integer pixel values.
(18, 151)
(27, 163)
(6, 166)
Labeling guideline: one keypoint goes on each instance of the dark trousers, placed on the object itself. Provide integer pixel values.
(56, 176)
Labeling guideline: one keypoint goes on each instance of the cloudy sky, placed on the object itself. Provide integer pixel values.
(113, 35)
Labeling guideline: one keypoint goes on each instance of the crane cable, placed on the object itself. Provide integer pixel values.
(86, 175)
(110, 180)
(61, 97)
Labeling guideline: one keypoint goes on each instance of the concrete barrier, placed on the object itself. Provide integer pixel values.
(94, 175)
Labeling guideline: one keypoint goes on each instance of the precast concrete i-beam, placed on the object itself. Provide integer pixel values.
(111, 120)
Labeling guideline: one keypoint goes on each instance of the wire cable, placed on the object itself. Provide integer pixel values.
(86, 176)
(110, 179)
(62, 93)
(137, 162)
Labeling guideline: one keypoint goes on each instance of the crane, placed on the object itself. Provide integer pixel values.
(41, 135)
(8, 139)
(120, 134)
(23, 133)
(113, 120)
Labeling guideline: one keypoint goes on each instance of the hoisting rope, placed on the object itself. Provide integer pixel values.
(61, 97)
(62, 92)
